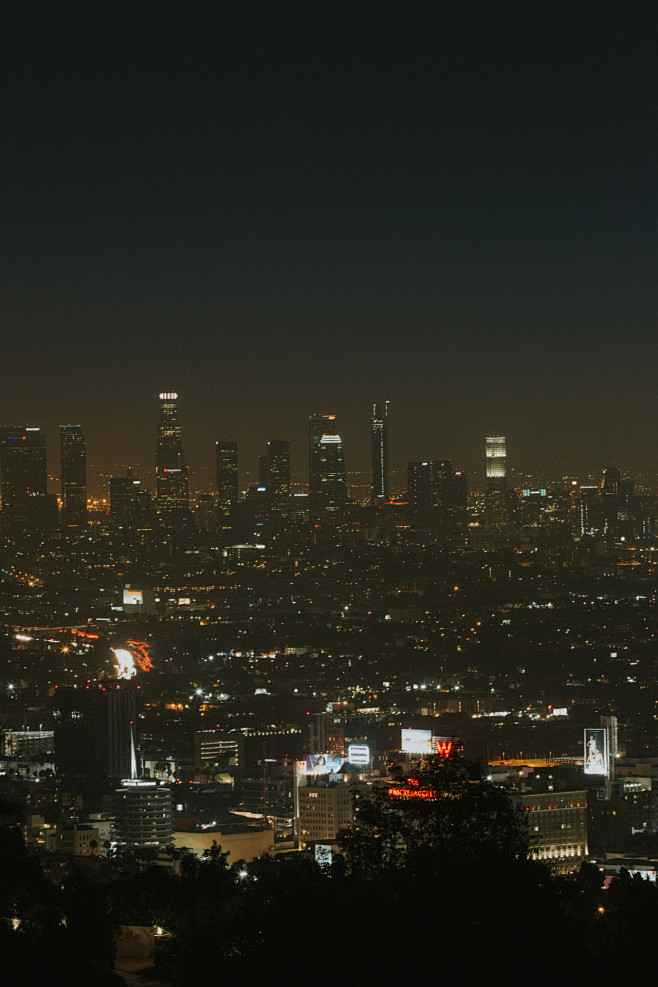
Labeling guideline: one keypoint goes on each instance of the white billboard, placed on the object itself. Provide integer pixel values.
(358, 754)
(323, 854)
(416, 741)
(596, 751)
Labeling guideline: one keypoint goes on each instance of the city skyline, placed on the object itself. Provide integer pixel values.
(203, 475)
(451, 208)
(328, 529)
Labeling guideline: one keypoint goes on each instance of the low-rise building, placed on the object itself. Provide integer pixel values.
(557, 826)
(324, 809)
(80, 839)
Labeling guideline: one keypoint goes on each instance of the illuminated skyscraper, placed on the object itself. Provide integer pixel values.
(172, 486)
(74, 474)
(434, 486)
(226, 464)
(379, 438)
(611, 483)
(331, 465)
(610, 499)
(589, 512)
(278, 469)
(263, 472)
(496, 480)
(23, 475)
(452, 490)
(420, 487)
(125, 493)
(318, 425)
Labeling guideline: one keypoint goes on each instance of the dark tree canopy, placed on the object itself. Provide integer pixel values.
(445, 811)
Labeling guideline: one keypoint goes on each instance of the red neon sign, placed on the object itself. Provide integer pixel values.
(443, 748)
(412, 793)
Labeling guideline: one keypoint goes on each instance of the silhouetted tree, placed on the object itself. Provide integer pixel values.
(452, 848)
(441, 811)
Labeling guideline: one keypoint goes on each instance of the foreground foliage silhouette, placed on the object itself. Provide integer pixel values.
(47, 927)
(433, 887)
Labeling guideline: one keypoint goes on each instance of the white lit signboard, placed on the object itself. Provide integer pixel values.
(416, 741)
(358, 754)
(322, 764)
(596, 751)
(323, 854)
(133, 598)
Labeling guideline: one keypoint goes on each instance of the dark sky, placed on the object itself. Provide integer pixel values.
(279, 208)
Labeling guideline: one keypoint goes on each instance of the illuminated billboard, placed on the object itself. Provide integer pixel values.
(358, 754)
(323, 854)
(416, 741)
(322, 764)
(133, 598)
(596, 751)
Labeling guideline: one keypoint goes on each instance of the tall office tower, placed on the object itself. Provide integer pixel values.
(435, 486)
(610, 495)
(332, 476)
(590, 520)
(23, 475)
(496, 480)
(278, 469)
(95, 730)
(263, 472)
(124, 498)
(626, 501)
(425, 482)
(379, 438)
(226, 464)
(74, 474)
(205, 515)
(171, 479)
(611, 482)
(318, 425)
(419, 486)
(453, 499)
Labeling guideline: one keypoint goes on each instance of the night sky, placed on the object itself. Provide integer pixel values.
(279, 208)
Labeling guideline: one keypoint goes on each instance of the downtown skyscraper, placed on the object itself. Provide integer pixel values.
(332, 475)
(318, 425)
(73, 474)
(379, 440)
(278, 469)
(171, 475)
(495, 448)
(226, 472)
(23, 476)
